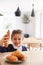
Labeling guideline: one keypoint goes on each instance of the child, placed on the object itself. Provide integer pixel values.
(16, 38)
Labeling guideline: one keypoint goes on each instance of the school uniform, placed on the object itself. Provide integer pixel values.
(11, 48)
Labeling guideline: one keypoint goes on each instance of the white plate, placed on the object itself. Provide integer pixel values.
(19, 61)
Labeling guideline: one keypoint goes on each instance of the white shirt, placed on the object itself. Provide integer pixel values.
(18, 48)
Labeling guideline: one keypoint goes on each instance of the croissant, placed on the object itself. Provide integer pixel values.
(8, 33)
(12, 58)
(18, 54)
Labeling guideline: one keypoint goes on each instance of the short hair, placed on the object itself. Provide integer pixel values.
(16, 32)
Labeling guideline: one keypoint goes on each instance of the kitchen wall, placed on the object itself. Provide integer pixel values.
(8, 8)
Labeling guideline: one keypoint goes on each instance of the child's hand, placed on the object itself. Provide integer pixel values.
(5, 39)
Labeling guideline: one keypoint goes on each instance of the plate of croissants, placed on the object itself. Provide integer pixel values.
(15, 57)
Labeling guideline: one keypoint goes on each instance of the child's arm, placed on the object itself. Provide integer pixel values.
(4, 40)
(2, 49)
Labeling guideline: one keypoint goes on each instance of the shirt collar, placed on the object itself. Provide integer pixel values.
(18, 48)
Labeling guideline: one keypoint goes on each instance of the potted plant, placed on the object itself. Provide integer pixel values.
(25, 20)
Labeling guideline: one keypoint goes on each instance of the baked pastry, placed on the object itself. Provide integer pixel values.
(8, 34)
(12, 58)
(19, 54)
(22, 57)
(16, 53)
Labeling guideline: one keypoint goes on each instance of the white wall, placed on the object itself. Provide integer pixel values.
(8, 7)
(15, 23)
(41, 24)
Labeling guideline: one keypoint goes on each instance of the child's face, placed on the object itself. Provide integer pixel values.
(17, 39)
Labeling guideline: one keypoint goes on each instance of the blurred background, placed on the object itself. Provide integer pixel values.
(33, 25)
